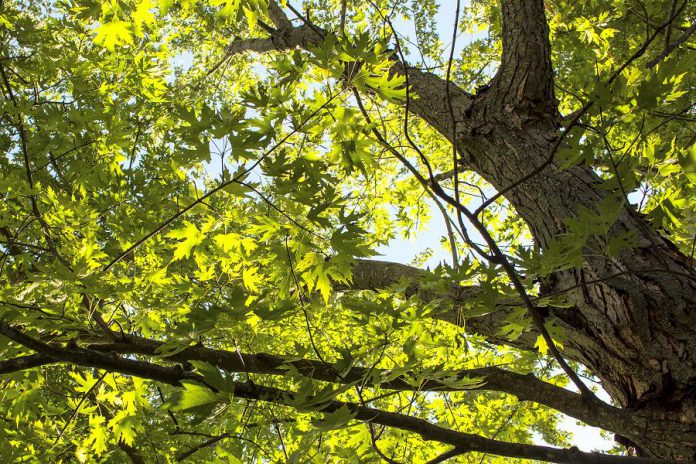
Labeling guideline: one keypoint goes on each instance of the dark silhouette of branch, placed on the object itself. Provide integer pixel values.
(446, 455)
(248, 390)
(672, 46)
(525, 387)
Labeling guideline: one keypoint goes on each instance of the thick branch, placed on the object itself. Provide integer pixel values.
(174, 376)
(25, 362)
(131, 452)
(90, 358)
(374, 274)
(670, 47)
(427, 90)
(525, 76)
(280, 40)
(278, 16)
(524, 387)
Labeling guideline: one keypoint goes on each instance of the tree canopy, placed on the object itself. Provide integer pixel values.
(194, 193)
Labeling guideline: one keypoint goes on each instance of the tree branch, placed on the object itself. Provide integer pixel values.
(428, 90)
(516, 11)
(669, 48)
(131, 452)
(374, 274)
(248, 390)
(278, 16)
(524, 387)
(90, 358)
(282, 39)
(525, 76)
(21, 363)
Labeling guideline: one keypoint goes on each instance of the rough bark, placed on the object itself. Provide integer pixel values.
(636, 330)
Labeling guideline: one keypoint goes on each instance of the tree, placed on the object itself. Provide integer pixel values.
(193, 193)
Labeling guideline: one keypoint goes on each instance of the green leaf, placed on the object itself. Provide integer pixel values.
(172, 347)
(335, 420)
(251, 278)
(220, 380)
(190, 236)
(98, 435)
(165, 6)
(113, 34)
(229, 8)
(126, 427)
(193, 395)
(688, 163)
(541, 345)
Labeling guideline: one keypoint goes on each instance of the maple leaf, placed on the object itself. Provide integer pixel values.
(191, 237)
(109, 35)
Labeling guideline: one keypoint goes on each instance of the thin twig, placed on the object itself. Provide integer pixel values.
(77, 408)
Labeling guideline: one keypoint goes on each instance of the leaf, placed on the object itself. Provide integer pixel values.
(126, 427)
(337, 419)
(464, 383)
(193, 395)
(172, 347)
(229, 9)
(158, 277)
(191, 237)
(143, 16)
(98, 436)
(688, 163)
(112, 34)
(251, 278)
(228, 242)
(541, 345)
(621, 241)
(165, 6)
(252, 17)
(215, 377)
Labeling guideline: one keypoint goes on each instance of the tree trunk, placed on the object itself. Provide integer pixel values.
(635, 331)
(633, 323)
